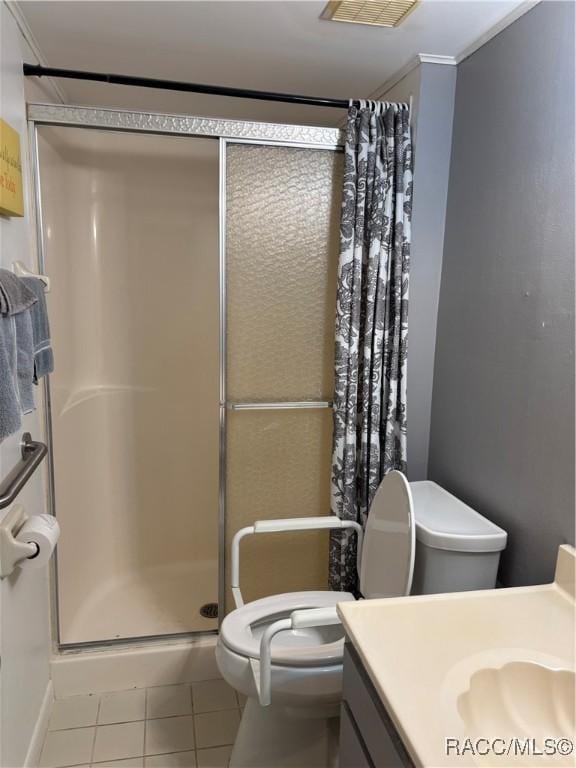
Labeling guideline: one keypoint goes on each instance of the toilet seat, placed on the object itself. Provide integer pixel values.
(242, 629)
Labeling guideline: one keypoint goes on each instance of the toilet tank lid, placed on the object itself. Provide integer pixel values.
(445, 522)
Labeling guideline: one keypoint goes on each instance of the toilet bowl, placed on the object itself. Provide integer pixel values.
(305, 659)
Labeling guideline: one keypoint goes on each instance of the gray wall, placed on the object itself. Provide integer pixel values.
(502, 433)
(432, 145)
(432, 88)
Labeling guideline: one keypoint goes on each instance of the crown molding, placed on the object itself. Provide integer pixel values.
(22, 23)
(432, 58)
(395, 79)
(421, 58)
(494, 30)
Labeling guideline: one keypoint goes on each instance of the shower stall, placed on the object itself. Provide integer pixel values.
(193, 269)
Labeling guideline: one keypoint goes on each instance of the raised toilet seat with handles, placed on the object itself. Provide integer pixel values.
(263, 629)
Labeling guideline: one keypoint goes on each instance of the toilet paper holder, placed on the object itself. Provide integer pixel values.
(12, 551)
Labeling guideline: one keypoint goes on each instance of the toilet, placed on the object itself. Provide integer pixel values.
(457, 549)
(418, 539)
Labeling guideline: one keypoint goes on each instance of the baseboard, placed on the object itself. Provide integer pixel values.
(96, 671)
(40, 729)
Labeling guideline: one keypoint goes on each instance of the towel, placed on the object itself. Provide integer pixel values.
(16, 351)
(10, 409)
(24, 360)
(15, 295)
(43, 355)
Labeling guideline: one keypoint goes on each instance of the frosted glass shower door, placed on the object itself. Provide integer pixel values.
(282, 216)
(131, 246)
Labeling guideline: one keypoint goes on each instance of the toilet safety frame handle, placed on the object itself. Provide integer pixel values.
(300, 619)
(329, 522)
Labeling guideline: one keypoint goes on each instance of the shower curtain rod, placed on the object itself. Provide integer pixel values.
(36, 70)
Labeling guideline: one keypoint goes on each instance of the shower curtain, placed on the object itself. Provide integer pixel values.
(371, 319)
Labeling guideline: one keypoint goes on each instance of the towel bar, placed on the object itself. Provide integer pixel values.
(32, 454)
(22, 271)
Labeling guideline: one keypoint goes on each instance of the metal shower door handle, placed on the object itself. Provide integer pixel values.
(279, 406)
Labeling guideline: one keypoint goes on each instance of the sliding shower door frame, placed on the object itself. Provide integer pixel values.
(226, 132)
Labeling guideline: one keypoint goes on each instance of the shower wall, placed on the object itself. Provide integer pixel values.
(131, 246)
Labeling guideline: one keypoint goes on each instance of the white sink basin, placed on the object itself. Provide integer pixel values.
(521, 699)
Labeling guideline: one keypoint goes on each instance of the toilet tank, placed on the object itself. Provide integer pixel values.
(457, 549)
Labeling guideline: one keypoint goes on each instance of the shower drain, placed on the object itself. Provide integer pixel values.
(209, 610)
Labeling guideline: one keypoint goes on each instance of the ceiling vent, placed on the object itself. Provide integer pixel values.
(377, 13)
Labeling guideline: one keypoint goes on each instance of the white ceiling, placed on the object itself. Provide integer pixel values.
(276, 45)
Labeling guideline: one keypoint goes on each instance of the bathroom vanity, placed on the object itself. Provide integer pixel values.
(423, 674)
(368, 737)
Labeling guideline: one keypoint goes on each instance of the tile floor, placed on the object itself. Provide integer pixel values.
(170, 726)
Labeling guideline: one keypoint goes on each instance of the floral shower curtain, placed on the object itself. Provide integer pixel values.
(371, 319)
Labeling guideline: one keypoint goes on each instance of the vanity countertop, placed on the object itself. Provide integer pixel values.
(421, 651)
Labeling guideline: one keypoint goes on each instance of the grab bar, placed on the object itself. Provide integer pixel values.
(281, 406)
(32, 454)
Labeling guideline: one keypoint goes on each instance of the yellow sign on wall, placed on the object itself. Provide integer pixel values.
(11, 197)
